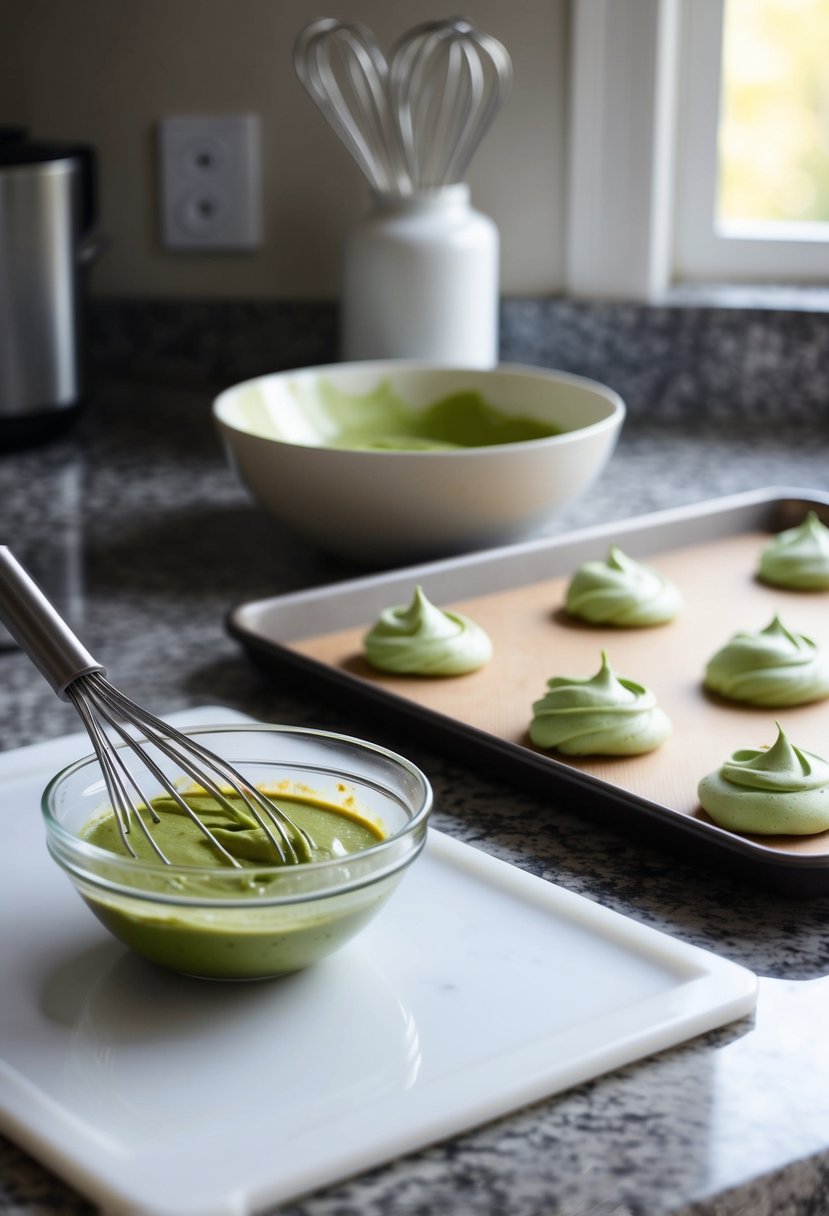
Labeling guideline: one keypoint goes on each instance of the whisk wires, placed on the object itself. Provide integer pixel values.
(447, 82)
(412, 122)
(344, 70)
(99, 702)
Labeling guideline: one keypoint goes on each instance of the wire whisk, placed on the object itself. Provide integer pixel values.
(342, 67)
(447, 82)
(109, 716)
(412, 122)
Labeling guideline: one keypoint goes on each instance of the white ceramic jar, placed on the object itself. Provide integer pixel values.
(420, 281)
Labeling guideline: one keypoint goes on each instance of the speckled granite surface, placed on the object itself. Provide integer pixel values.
(674, 362)
(147, 540)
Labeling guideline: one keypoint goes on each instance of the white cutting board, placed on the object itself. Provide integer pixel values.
(478, 989)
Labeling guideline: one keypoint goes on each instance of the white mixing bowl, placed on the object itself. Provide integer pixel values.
(379, 506)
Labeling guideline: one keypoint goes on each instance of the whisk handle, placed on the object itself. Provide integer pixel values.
(39, 629)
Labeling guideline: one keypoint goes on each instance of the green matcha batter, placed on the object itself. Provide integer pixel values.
(462, 420)
(335, 831)
(383, 420)
(224, 922)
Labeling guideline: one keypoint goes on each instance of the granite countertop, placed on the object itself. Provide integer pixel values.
(143, 535)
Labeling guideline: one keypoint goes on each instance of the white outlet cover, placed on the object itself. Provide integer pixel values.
(210, 181)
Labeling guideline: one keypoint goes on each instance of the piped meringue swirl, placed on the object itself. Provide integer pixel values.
(621, 591)
(421, 639)
(605, 714)
(798, 558)
(774, 666)
(779, 791)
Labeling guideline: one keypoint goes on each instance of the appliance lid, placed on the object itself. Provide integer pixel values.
(17, 151)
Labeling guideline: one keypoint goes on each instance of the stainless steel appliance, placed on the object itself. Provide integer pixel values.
(47, 213)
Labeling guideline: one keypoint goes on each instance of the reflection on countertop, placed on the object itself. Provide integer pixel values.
(153, 540)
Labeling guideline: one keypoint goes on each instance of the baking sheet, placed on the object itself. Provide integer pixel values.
(478, 989)
(517, 595)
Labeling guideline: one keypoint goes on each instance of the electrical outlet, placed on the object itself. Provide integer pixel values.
(210, 181)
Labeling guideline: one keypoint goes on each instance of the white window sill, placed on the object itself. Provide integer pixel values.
(772, 297)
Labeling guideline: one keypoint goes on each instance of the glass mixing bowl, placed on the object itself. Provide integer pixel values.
(220, 922)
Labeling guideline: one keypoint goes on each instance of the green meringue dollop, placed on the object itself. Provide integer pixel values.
(602, 715)
(798, 558)
(772, 667)
(621, 591)
(421, 639)
(779, 791)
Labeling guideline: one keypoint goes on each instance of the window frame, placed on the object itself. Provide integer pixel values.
(643, 114)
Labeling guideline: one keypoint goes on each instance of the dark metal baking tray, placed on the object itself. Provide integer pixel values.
(274, 630)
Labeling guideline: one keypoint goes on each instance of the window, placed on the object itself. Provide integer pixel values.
(658, 131)
(773, 144)
(729, 224)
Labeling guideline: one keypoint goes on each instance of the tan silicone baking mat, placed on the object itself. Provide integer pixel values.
(534, 639)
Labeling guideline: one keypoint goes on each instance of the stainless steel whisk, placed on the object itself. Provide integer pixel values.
(447, 82)
(414, 121)
(106, 713)
(342, 67)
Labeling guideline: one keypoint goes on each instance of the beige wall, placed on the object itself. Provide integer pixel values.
(106, 70)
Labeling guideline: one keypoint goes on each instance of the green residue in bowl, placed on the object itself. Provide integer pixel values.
(381, 420)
